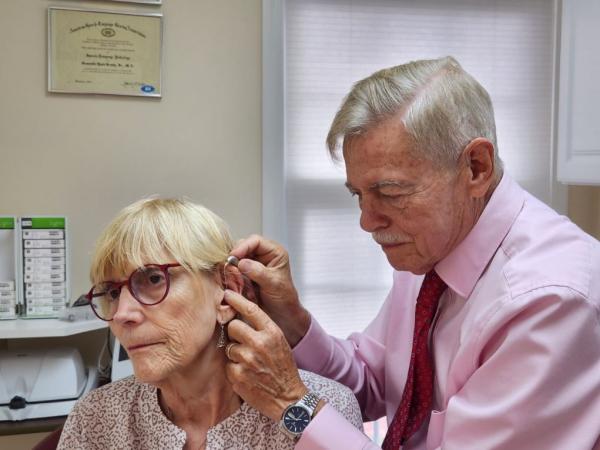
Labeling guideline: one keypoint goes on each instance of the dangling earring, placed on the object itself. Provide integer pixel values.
(222, 341)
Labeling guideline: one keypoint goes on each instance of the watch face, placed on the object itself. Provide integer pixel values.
(296, 419)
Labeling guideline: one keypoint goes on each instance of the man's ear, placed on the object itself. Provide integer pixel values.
(479, 158)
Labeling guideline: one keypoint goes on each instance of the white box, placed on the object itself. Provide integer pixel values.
(44, 310)
(45, 301)
(10, 268)
(43, 277)
(44, 261)
(45, 265)
(43, 252)
(36, 287)
(43, 234)
(7, 286)
(44, 243)
(56, 268)
(50, 293)
(8, 312)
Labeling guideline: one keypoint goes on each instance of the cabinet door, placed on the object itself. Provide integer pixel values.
(579, 96)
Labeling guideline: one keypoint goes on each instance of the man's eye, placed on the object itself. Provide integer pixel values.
(392, 193)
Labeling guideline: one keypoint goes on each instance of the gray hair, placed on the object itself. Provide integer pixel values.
(443, 108)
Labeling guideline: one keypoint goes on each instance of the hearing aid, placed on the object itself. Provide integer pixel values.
(232, 260)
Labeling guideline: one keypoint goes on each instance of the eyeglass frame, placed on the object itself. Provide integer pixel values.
(127, 282)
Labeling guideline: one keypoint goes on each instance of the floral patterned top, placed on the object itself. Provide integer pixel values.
(126, 415)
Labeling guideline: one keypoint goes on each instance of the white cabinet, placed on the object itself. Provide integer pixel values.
(579, 93)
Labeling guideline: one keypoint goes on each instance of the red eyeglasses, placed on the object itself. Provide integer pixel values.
(149, 285)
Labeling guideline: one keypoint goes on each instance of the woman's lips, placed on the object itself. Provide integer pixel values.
(141, 346)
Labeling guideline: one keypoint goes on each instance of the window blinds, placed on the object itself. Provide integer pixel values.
(341, 274)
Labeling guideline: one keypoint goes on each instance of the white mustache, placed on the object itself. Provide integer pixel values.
(388, 238)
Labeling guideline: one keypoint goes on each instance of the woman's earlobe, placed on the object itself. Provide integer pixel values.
(225, 313)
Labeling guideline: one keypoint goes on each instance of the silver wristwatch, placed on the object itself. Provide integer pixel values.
(297, 416)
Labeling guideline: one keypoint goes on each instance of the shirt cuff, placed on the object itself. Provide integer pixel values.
(330, 430)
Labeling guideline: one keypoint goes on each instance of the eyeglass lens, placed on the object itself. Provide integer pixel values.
(147, 284)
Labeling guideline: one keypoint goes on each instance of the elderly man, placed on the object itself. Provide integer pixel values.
(490, 335)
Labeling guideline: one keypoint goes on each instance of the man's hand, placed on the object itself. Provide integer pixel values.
(267, 264)
(261, 367)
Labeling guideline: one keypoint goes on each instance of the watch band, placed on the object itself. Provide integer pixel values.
(310, 400)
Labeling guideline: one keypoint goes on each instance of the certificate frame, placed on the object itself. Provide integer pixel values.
(95, 51)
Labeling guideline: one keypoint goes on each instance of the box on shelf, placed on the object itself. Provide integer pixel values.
(44, 266)
(9, 268)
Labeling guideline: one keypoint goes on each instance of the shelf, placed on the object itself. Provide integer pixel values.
(32, 426)
(36, 328)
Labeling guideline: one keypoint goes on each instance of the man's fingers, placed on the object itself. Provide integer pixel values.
(253, 270)
(241, 332)
(250, 246)
(243, 355)
(249, 311)
(257, 247)
(235, 352)
(234, 373)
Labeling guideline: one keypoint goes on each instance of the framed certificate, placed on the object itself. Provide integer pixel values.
(103, 52)
(149, 2)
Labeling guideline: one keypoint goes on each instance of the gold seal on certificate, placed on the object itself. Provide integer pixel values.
(100, 52)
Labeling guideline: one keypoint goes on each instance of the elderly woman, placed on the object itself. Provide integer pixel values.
(158, 277)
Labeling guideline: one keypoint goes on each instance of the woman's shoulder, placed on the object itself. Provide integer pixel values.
(336, 395)
(120, 394)
(124, 414)
(112, 402)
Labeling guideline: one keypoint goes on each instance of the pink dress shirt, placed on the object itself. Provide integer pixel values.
(516, 343)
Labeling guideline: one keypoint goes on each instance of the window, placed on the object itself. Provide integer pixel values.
(314, 51)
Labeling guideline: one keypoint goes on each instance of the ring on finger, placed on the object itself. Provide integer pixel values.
(228, 349)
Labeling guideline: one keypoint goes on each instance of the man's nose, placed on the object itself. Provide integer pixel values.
(371, 217)
(128, 308)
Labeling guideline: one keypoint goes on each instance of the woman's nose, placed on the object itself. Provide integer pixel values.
(128, 308)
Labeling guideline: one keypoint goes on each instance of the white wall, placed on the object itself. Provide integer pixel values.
(88, 156)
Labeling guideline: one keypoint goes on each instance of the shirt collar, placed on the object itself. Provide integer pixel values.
(463, 266)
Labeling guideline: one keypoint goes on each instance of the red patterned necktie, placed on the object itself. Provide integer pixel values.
(417, 397)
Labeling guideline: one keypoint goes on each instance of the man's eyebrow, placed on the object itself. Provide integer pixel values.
(349, 187)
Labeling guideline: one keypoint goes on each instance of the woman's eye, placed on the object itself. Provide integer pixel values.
(155, 278)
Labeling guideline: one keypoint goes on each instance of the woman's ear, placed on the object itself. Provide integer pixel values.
(225, 313)
(233, 278)
(228, 277)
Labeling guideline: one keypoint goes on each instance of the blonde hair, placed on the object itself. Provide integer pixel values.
(144, 231)
(443, 108)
